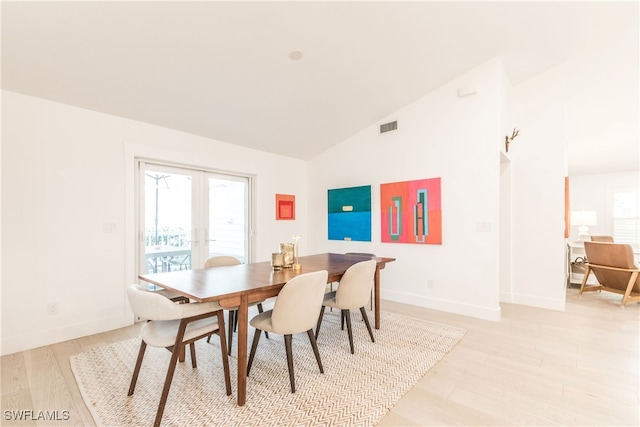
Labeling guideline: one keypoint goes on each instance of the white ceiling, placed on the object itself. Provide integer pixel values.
(222, 69)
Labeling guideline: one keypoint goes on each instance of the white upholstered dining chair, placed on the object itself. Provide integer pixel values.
(370, 256)
(227, 261)
(295, 311)
(353, 292)
(174, 326)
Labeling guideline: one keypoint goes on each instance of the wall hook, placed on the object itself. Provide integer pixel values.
(509, 139)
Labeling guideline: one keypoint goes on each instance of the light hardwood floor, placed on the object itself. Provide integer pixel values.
(534, 367)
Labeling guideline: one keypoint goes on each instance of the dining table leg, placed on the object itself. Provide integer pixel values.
(376, 297)
(243, 320)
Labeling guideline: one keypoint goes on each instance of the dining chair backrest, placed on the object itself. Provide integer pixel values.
(153, 306)
(221, 261)
(355, 285)
(298, 304)
(360, 254)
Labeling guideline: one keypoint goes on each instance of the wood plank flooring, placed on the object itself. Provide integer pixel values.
(534, 367)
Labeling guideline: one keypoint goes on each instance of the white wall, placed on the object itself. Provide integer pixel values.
(539, 166)
(506, 197)
(65, 172)
(595, 193)
(603, 112)
(441, 135)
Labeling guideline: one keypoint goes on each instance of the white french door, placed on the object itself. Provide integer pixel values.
(187, 215)
(227, 214)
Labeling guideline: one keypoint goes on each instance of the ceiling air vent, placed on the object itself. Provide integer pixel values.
(388, 127)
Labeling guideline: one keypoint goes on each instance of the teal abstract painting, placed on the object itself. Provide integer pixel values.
(349, 213)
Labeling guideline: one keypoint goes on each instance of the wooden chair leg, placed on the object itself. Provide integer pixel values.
(260, 310)
(319, 321)
(584, 279)
(314, 345)
(232, 316)
(366, 322)
(192, 347)
(627, 292)
(330, 290)
(347, 314)
(287, 345)
(254, 345)
(136, 370)
(177, 349)
(181, 355)
(223, 351)
(167, 386)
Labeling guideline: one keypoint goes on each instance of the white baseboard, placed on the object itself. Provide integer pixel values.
(67, 332)
(506, 297)
(540, 302)
(485, 313)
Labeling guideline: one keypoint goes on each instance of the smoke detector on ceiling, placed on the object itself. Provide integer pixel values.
(296, 54)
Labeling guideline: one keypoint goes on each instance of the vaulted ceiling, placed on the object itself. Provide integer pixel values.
(223, 70)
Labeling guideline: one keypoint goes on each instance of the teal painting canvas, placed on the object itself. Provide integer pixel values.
(349, 213)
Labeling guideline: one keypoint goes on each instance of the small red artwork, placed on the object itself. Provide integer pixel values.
(285, 206)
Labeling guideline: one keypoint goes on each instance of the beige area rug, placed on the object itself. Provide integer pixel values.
(355, 390)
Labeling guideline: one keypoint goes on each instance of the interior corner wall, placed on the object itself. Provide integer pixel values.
(65, 172)
(506, 195)
(440, 135)
(539, 167)
(0, 222)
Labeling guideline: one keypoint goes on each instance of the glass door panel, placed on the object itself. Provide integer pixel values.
(228, 217)
(188, 215)
(168, 201)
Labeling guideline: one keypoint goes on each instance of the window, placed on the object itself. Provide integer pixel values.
(626, 218)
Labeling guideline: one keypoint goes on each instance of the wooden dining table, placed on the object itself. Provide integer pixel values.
(240, 285)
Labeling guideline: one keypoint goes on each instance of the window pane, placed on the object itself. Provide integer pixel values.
(626, 224)
(227, 218)
(167, 231)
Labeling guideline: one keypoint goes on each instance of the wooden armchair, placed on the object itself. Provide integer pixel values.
(615, 268)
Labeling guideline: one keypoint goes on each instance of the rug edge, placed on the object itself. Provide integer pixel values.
(81, 388)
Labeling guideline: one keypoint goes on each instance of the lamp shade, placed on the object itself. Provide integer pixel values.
(583, 218)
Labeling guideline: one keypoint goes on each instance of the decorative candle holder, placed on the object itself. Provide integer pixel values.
(287, 251)
(296, 264)
(277, 261)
